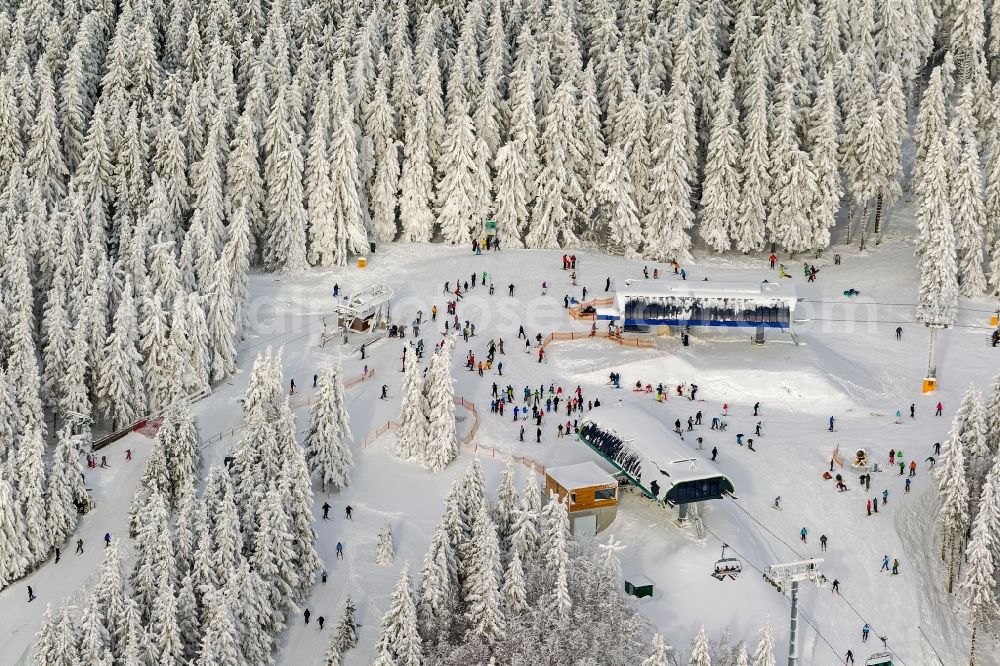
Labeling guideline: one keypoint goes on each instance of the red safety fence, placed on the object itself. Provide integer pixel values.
(583, 335)
(576, 312)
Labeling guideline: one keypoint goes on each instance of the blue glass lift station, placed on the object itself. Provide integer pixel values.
(645, 304)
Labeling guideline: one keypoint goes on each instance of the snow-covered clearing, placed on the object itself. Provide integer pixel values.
(849, 365)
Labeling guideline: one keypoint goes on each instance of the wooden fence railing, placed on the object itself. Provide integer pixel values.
(583, 335)
(576, 312)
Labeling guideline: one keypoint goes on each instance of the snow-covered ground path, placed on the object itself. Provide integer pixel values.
(849, 365)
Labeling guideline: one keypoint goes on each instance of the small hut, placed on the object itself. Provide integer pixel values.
(590, 492)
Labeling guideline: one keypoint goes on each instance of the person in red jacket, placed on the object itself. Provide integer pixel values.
(938, 410)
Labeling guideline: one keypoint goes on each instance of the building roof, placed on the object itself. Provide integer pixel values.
(582, 475)
(661, 455)
(764, 291)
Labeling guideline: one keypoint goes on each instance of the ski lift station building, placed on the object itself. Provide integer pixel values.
(591, 495)
(646, 304)
(647, 452)
(365, 309)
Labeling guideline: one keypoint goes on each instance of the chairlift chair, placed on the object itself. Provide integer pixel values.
(727, 567)
(880, 659)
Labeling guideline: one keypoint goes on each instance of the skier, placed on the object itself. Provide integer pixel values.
(899, 416)
(938, 409)
(885, 497)
(306, 615)
(777, 502)
(757, 431)
(756, 406)
(320, 620)
(869, 507)
(802, 534)
(315, 380)
(79, 546)
(875, 504)
(349, 510)
(937, 448)
(908, 480)
(128, 455)
(521, 436)
(385, 392)
(739, 438)
(772, 260)
(715, 452)
(697, 418)
(831, 424)
(913, 408)
(326, 511)
(836, 586)
(899, 332)
(107, 539)
(510, 290)
(822, 542)
(849, 658)
(340, 551)
(931, 460)
(607, 284)
(864, 633)
(885, 563)
(291, 388)
(323, 576)
(750, 445)
(31, 594)
(895, 567)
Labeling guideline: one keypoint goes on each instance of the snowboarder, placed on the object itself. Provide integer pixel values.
(306, 615)
(349, 510)
(932, 460)
(79, 546)
(822, 542)
(750, 445)
(107, 539)
(864, 633)
(31, 594)
(937, 448)
(340, 551)
(802, 534)
(326, 511)
(715, 452)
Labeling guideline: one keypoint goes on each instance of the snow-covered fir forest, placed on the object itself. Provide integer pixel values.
(154, 153)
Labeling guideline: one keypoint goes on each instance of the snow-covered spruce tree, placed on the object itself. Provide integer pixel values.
(346, 631)
(510, 195)
(700, 652)
(441, 441)
(417, 178)
(660, 654)
(120, 390)
(207, 177)
(953, 489)
(44, 158)
(44, 652)
(483, 615)
(755, 167)
(721, 195)
(793, 191)
(560, 192)
(456, 189)
(154, 556)
(992, 417)
(967, 206)
(15, 554)
(399, 642)
(380, 126)
(993, 206)
(327, 450)
(273, 557)
(823, 135)
(31, 493)
(66, 492)
(436, 596)
(763, 655)
(221, 323)
(978, 588)
(385, 554)
(665, 226)
(285, 246)
(938, 289)
(159, 379)
(615, 201)
(507, 503)
(95, 639)
(411, 437)
(555, 559)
